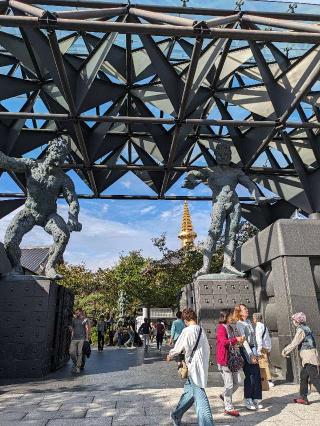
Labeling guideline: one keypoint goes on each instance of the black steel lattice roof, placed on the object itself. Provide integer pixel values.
(147, 110)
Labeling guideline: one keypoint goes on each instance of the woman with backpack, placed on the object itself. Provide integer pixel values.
(229, 359)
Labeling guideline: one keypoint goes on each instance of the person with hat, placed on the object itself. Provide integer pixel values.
(305, 342)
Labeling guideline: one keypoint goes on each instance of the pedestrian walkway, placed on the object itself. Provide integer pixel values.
(130, 387)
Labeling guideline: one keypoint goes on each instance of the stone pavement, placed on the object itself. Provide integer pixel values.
(128, 387)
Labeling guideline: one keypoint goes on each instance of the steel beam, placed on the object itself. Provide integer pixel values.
(172, 9)
(267, 171)
(91, 13)
(69, 98)
(26, 8)
(141, 197)
(155, 120)
(161, 17)
(161, 30)
(280, 23)
(196, 52)
(212, 23)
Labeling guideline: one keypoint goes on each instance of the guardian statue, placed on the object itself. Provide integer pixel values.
(222, 179)
(45, 181)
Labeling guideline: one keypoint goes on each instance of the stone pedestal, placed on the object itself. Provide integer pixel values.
(211, 294)
(5, 265)
(283, 263)
(34, 317)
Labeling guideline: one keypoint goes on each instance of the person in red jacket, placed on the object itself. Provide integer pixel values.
(225, 338)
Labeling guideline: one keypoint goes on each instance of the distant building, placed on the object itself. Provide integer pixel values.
(34, 260)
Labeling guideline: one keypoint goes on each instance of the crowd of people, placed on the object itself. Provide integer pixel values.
(241, 345)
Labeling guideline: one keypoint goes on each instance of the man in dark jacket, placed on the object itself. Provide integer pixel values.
(145, 330)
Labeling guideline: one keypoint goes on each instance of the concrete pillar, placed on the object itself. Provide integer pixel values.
(146, 312)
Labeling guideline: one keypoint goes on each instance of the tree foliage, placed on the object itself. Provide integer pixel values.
(145, 281)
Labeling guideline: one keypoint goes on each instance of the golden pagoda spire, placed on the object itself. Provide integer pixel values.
(187, 234)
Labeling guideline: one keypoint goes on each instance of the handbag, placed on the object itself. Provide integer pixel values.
(235, 361)
(86, 349)
(183, 370)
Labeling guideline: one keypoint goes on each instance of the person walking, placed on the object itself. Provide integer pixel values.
(145, 330)
(176, 329)
(252, 381)
(119, 335)
(101, 329)
(263, 345)
(130, 341)
(80, 332)
(111, 328)
(305, 342)
(228, 359)
(160, 333)
(194, 343)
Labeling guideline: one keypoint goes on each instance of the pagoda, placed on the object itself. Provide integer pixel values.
(187, 234)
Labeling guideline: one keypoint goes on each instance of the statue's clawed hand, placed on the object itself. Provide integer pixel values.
(190, 182)
(74, 225)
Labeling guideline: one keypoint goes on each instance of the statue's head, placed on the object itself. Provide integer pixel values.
(57, 152)
(223, 154)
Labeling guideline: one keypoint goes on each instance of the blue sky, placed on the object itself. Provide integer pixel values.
(112, 227)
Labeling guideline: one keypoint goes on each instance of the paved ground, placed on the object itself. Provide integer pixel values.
(127, 387)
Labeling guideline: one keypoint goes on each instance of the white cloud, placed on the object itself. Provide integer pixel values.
(102, 239)
(126, 183)
(148, 209)
(176, 211)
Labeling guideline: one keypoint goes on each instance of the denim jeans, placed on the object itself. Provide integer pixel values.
(194, 394)
(252, 381)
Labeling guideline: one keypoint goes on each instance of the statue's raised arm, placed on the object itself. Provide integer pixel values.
(244, 180)
(18, 165)
(194, 178)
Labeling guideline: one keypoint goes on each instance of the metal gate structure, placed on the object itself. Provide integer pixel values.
(152, 89)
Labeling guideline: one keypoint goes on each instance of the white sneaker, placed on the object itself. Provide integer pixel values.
(271, 384)
(250, 404)
(78, 370)
(258, 404)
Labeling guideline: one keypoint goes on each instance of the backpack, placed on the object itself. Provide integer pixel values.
(235, 360)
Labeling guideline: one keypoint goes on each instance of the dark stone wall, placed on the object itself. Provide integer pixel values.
(34, 319)
(283, 263)
(211, 294)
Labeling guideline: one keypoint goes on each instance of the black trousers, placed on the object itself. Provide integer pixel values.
(252, 381)
(159, 340)
(111, 335)
(309, 373)
(100, 340)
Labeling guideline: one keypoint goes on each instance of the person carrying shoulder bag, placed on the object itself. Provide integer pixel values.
(194, 343)
(229, 359)
(252, 381)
